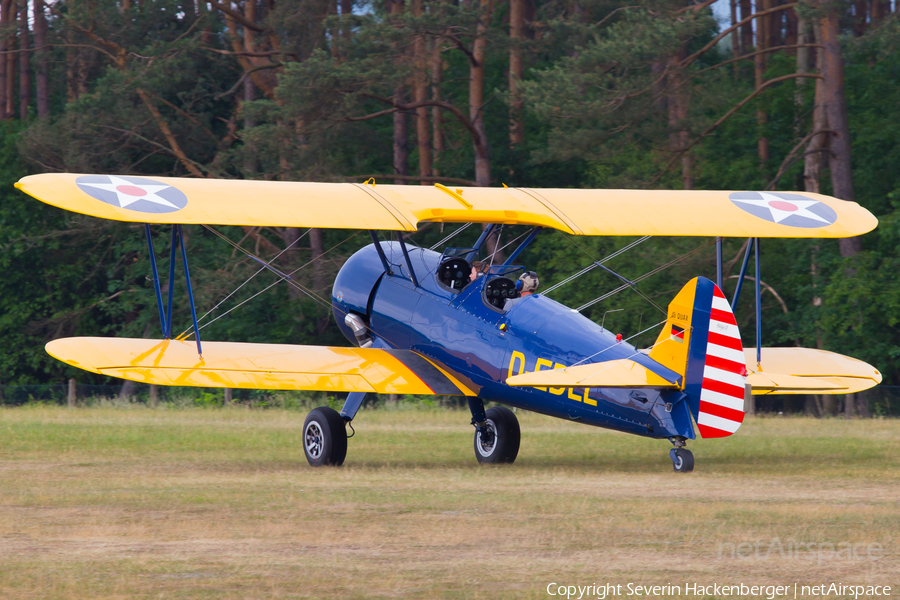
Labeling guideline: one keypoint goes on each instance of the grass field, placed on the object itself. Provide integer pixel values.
(205, 503)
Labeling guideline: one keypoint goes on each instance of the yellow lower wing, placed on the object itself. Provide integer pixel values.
(808, 371)
(613, 373)
(782, 371)
(259, 366)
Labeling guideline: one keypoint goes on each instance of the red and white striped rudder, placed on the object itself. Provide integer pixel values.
(721, 409)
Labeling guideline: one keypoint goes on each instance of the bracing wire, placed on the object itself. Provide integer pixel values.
(645, 276)
(596, 263)
(636, 353)
(583, 360)
(450, 237)
(496, 246)
(270, 286)
(261, 269)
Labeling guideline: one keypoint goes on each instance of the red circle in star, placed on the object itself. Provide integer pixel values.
(132, 190)
(782, 205)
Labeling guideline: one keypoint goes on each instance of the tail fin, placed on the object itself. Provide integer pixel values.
(701, 342)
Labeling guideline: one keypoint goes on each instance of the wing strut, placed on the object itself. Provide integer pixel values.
(159, 302)
(758, 304)
(165, 312)
(384, 260)
(523, 245)
(752, 245)
(412, 272)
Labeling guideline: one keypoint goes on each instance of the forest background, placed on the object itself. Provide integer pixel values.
(655, 94)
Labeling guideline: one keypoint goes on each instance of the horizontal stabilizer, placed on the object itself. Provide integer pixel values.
(259, 366)
(623, 373)
(808, 371)
(402, 207)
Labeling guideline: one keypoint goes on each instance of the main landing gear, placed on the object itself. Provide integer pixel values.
(497, 433)
(324, 437)
(682, 458)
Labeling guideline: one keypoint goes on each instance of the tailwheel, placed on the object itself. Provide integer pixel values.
(682, 460)
(499, 442)
(324, 437)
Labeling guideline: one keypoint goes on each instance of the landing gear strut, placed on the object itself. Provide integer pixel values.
(497, 433)
(682, 458)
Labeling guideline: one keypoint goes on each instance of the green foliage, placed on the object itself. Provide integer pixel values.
(597, 92)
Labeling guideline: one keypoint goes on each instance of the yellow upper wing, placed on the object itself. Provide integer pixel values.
(402, 207)
(259, 366)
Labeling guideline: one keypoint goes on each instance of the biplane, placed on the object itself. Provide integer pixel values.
(421, 322)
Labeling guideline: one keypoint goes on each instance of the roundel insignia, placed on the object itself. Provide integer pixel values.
(133, 193)
(785, 208)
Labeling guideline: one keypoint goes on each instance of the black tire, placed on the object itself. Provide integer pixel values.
(324, 438)
(682, 460)
(504, 426)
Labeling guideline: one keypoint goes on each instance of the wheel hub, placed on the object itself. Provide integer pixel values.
(313, 440)
(487, 439)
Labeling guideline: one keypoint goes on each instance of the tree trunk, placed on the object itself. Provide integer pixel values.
(401, 119)
(861, 13)
(792, 26)
(516, 71)
(836, 112)
(250, 163)
(747, 29)
(815, 156)
(71, 67)
(5, 8)
(334, 34)
(7, 24)
(420, 94)
(346, 21)
(476, 98)
(320, 281)
(401, 137)
(759, 70)
(24, 62)
(735, 38)
(206, 32)
(437, 114)
(849, 411)
(678, 102)
(42, 78)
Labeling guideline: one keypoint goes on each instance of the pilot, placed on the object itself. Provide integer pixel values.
(479, 268)
(529, 285)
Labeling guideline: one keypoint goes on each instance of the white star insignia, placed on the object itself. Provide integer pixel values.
(128, 193)
(781, 209)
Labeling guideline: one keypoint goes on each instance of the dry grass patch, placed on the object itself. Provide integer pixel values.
(113, 503)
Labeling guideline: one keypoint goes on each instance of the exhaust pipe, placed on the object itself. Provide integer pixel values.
(360, 331)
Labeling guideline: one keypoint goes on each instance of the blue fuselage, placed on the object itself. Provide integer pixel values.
(481, 345)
